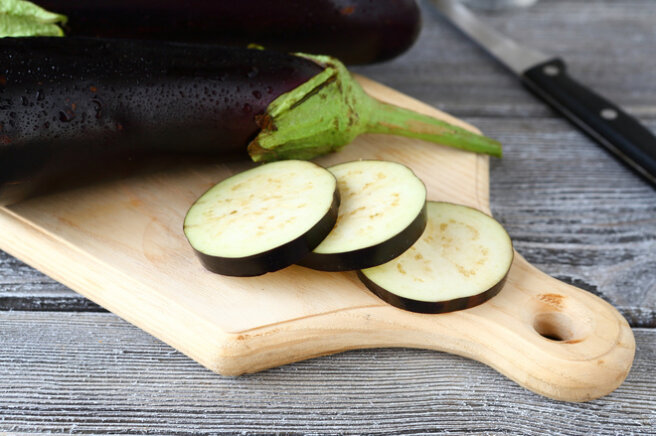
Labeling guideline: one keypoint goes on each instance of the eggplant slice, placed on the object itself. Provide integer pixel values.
(383, 212)
(460, 261)
(263, 219)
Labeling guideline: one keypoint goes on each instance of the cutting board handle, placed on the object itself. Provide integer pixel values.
(550, 337)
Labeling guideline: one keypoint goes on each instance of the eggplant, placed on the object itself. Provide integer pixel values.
(461, 261)
(382, 214)
(355, 31)
(76, 110)
(263, 219)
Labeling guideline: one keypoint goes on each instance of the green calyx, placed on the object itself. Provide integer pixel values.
(331, 109)
(20, 18)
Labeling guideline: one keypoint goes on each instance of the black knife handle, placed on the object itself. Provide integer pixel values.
(602, 120)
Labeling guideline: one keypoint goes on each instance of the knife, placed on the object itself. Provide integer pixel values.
(547, 78)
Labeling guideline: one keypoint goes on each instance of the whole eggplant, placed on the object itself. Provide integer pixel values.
(73, 109)
(355, 31)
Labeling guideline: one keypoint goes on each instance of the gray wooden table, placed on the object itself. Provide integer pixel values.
(572, 210)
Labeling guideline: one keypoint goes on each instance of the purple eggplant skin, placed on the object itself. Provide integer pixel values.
(74, 110)
(431, 307)
(354, 31)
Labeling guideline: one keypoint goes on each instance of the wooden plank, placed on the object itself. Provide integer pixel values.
(24, 288)
(95, 373)
(576, 213)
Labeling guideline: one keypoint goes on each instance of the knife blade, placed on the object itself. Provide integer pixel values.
(547, 78)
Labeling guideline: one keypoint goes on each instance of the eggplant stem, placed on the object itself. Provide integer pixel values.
(331, 109)
(394, 120)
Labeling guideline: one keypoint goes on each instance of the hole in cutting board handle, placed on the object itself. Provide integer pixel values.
(554, 326)
(559, 318)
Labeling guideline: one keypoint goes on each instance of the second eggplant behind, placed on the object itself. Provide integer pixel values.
(355, 31)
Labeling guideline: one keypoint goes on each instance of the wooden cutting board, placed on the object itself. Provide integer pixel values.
(121, 245)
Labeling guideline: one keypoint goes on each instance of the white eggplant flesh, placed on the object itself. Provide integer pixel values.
(382, 213)
(263, 219)
(460, 261)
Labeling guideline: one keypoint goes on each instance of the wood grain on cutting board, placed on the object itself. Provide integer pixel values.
(121, 245)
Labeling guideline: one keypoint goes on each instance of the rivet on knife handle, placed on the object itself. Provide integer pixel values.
(602, 120)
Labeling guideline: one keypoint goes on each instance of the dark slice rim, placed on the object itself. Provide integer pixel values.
(276, 258)
(373, 255)
(432, 307)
